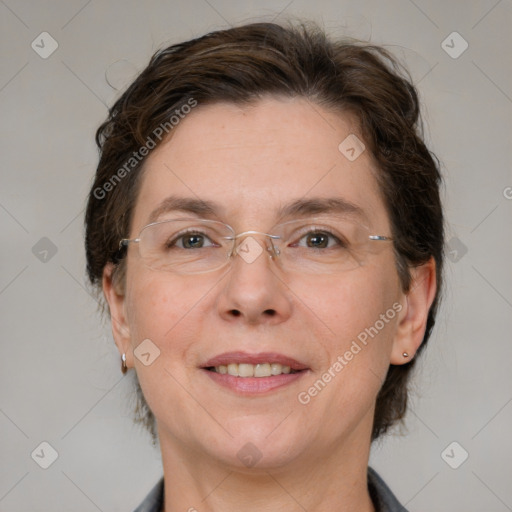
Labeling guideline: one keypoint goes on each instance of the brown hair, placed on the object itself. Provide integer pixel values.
(241, 65)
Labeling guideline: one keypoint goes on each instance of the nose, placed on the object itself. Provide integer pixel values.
(254, 290)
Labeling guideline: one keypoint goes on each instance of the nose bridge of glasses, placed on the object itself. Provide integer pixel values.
(240, 237)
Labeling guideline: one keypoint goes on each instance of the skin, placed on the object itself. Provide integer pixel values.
(251, 160)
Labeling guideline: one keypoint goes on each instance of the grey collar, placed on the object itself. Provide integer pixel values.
(383, 499)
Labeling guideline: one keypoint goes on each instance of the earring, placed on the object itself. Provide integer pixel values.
(405, 354)
(124, 368)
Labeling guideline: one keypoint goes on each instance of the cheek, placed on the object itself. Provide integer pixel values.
(376, 300)
(349, 304)
(157, 304)
(161, 308)
(360, 310)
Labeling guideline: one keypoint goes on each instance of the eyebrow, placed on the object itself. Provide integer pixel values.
(199, 207)
(317, 205)
(297, 208)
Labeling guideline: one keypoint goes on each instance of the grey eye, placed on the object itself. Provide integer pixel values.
(190, 240)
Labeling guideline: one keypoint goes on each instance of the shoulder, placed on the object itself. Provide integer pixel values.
(383, 499)
(154, 501)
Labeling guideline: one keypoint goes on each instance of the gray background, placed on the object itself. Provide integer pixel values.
(60, 380)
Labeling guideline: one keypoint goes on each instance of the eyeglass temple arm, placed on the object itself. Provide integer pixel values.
(380, 238)
(124, 242)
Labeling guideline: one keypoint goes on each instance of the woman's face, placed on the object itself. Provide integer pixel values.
(250, 162)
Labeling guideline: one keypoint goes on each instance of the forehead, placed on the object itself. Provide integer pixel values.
(252, 161)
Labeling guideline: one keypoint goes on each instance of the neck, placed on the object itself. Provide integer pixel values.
(331, 479)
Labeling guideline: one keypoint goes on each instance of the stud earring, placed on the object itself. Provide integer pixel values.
(405, 354)
(124, 368)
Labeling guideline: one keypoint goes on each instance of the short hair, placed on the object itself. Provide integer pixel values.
(241, 65)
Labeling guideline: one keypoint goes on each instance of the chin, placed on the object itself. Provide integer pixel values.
(267, 443)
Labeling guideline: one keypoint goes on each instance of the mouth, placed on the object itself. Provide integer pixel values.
(246, 370)
(253, 373)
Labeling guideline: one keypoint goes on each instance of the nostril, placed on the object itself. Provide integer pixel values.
(270, 312)
(235, 312)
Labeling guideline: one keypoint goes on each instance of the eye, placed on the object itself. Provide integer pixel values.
(320, 239)
(190, 240)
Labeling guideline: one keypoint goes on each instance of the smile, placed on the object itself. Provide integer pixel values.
(245, 370)
(253, 374)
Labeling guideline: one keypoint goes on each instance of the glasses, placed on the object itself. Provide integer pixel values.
(195, 246)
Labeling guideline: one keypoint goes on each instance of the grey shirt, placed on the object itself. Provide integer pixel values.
(383, 499)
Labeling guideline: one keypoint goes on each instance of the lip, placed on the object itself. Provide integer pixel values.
(254, 385)
(261, 357)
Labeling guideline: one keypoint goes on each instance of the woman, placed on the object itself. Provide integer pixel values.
(265, 226)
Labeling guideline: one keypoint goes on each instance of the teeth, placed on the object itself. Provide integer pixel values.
(253, 370)
(233, 369)
(246, 370)
(276, 368)
(262, 370)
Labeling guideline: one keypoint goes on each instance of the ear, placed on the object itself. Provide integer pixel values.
(413, 317)
(115, 297)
